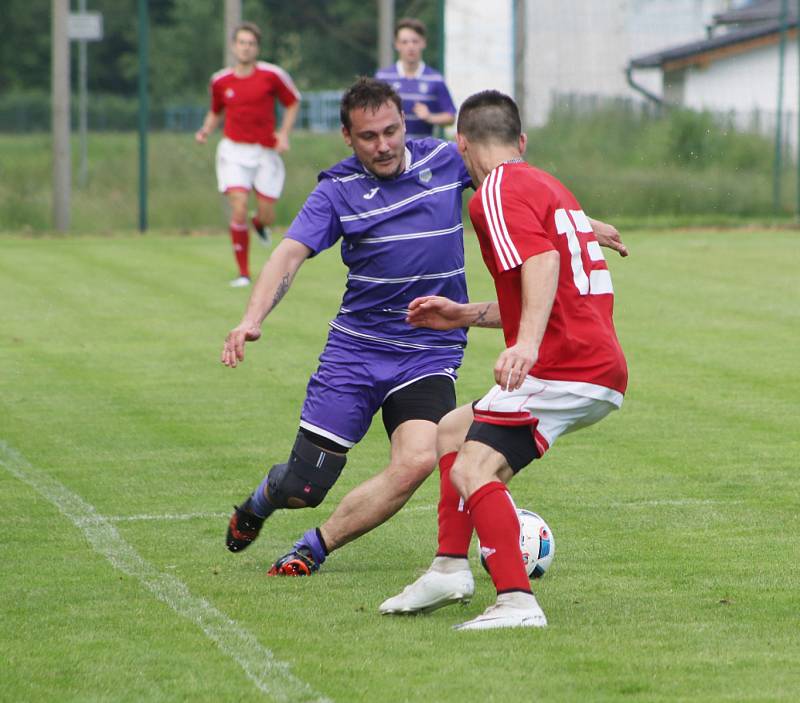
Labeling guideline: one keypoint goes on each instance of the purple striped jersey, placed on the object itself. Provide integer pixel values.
(402, 238)
(427, 86)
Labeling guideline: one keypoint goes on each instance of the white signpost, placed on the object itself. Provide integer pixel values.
(85, 26)
(82, 27)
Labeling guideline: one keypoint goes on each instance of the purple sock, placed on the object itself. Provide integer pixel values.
(259, 501)
(313, 540)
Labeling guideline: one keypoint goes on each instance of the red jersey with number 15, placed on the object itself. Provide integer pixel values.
(520, 211)
(249, 101)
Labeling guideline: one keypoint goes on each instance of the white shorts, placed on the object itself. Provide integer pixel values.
(249, 167)
(552, 408)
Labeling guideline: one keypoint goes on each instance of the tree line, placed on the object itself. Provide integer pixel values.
(323, 44)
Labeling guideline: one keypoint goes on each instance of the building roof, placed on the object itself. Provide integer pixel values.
(737, 41)
(759, 11)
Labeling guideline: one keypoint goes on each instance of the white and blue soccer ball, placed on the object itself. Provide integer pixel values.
(536, 543)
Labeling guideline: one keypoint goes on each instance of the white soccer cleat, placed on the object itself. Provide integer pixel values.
(240, 282)
(508, 612)
(430, 591)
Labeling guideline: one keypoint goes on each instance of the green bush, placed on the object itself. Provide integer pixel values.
(625, 162)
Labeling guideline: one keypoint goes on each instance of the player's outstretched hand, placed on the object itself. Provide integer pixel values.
(436, 312)
(233, 349)
(608, 236)
(513, 366)
(200, 136)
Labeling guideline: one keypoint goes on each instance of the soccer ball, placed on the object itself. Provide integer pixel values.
(536, 542)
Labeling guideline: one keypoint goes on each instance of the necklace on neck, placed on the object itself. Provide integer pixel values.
(515, 160)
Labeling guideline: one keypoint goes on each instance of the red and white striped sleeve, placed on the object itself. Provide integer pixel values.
(285, 89)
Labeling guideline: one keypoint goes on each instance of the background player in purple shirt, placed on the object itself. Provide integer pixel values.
(426, 99)
(396, 207)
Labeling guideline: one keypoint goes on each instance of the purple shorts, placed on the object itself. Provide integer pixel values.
(355, 377)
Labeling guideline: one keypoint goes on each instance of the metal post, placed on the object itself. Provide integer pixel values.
(385, 32)
(797, 145)
(233, 18)
(777, 173)
(62, 162)
(520, 32)
(83, 171)
(144, 109)
(442, 35)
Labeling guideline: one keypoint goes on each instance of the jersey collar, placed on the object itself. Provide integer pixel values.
(400, 72)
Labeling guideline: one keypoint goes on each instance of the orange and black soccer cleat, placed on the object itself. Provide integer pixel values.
(243, 527)
(299, 562)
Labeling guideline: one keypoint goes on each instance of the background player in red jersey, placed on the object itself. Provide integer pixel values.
(562, 368)
(248, 155)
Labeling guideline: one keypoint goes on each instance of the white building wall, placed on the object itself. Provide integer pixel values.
(584, 46)
(743, 82)
(478, 47)
(746, 84)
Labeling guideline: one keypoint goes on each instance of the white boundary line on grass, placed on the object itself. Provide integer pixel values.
(271, 676)
(164, 516)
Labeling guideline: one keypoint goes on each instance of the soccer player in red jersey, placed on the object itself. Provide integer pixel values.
(562, 368)
(248, 157)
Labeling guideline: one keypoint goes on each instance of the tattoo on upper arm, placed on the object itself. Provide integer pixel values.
(283, 286)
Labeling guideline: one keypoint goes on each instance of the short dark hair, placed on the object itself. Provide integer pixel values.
(247, 27)
(413, 24)
(367, 93)
(489, 116)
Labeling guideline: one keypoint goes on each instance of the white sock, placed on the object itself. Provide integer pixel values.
(517, 599)
(449, 565)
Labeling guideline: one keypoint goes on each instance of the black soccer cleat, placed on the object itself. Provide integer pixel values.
(299, 562)
(243, 528)
(263, 232)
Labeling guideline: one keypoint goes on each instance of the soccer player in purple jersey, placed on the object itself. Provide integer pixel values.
(396, 206)
(426, 99)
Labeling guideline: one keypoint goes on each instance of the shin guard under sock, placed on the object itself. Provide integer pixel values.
(496, 522)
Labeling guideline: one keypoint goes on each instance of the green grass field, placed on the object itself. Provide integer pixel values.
(124, 443)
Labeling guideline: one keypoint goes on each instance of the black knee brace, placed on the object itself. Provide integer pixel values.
(304, 481)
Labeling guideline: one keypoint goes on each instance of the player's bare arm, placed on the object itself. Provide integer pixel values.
(539, 283)
(444, 119)
(608, 236)
(273, 283)
(209, 125)
(440, 313)
(282, 134)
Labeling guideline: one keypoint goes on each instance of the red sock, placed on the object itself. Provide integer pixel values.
(241, 246)
(256, 222)
(455, 527)
(497, 525)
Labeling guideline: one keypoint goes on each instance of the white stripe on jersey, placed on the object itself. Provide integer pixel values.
(344, 330)
(412, 235)
(408, 279)
(286, 79)
(489, 213)
(401, 203)
(427, 158)
(516, 258)
(351, 177)
(493, 210)
(419, 97)
(221, 74)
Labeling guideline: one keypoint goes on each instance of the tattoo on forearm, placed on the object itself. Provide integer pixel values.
(283, 286)
(482, 319)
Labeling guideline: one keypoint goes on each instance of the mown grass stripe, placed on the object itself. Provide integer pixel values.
(271, 676)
